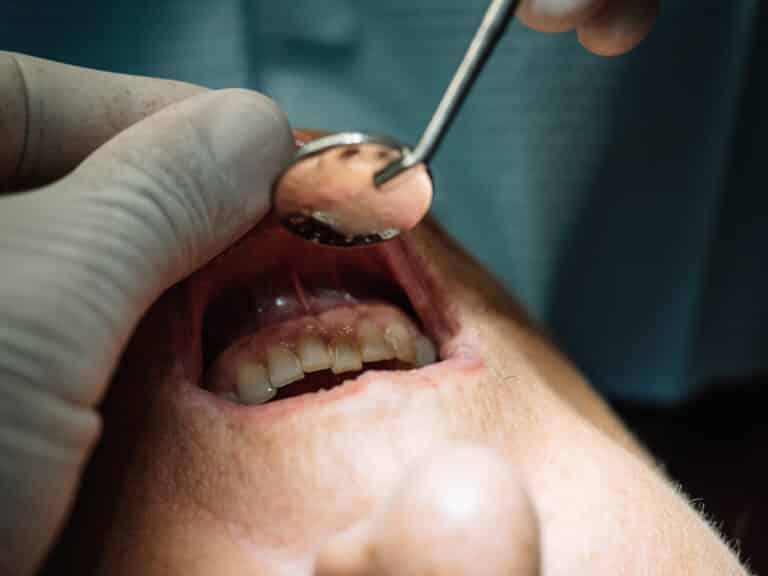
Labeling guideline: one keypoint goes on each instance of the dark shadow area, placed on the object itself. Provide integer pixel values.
(96, 37)
(733, 314)
(636, 264)
(715, 447)
(160, 39)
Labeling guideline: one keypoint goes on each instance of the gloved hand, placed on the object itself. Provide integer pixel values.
(461, 511)
(605, 27)
(82, 258)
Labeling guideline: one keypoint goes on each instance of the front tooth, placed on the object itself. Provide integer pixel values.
(346, 356)
(373, 346)
(253, 386)
(397, 335)
(313, 354)
(425, 351)
(284, 367)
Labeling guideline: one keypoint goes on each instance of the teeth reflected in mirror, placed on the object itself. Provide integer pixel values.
(328, 194)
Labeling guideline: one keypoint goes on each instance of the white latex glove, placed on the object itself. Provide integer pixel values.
(605, 27)
(461, 511)
(82, 258)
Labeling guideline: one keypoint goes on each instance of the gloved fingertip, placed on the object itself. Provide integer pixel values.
(557, 15)
(619, 28)
(249, 139)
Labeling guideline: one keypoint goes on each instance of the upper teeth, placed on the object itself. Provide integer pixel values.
(373, 346)
(346, 356)
(253, 385)
(397, 336)
(313, 354)
(284, 367)
(425, 351)
(257, 382)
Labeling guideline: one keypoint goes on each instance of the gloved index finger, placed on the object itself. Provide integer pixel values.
(53, 115)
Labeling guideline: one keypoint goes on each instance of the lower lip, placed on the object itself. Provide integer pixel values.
(351, 391)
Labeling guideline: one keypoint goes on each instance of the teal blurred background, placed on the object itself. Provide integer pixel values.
(623, 200)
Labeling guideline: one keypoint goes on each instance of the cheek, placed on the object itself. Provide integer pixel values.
(524, 369)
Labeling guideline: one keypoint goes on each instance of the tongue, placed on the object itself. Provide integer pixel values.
(325, 379)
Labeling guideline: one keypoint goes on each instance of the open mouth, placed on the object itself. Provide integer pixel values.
(284, 317)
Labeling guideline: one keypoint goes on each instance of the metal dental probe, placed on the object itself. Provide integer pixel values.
(497, 16)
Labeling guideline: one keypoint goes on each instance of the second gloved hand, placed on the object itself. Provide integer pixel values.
(605, 27)
(82, 259)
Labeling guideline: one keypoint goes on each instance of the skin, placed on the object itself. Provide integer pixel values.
(201, 488)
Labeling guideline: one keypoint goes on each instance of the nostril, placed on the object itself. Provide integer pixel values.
(349, 152)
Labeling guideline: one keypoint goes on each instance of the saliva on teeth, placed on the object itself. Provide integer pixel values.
(258, 381)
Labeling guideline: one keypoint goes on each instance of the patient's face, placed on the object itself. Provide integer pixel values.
(277, 396)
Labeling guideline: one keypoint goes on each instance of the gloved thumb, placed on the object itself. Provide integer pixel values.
(462, 511)
(82, 259)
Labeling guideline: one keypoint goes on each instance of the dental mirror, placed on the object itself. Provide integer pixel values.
(328, 194)
(353, 189)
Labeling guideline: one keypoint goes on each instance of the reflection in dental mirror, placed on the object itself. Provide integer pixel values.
(328, 194)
